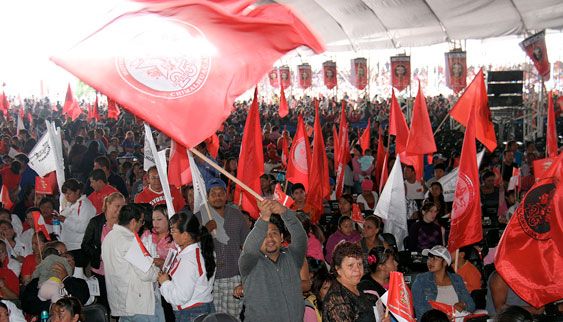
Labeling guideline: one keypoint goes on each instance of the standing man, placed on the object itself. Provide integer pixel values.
(113, 179)
(99, 182)
(229, 229)
(154, 195)
(130, 291)
(270, 273)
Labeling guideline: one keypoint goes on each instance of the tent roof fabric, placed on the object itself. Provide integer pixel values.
(376, 24)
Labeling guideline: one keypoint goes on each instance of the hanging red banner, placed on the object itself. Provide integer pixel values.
(273, 77)
(305, 75)
(359, 73)
(285, 76)
(400, 71)
(456, 70)
(329, 74)
(534, 46)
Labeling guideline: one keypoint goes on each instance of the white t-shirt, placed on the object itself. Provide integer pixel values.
(447, 295)
(414, 190)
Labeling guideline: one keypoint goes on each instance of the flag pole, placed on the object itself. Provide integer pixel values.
(227, 174)
(38, 243)
(441, 123)
(456, 259)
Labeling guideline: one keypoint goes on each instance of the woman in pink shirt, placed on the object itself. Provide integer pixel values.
(158, 240)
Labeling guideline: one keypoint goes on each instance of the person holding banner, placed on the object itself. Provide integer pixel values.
(153, 194)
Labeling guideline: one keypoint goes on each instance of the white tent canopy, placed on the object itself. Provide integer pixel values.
(376, 24)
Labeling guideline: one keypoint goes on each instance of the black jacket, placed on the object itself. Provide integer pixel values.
(31, 303)
(92, 241)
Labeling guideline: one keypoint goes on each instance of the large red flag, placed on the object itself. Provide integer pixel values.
(380, 158)
(113, 110)
(343, 154)
(535, 233)
(212, 143)
(399, 298)
(169, 64)
(251, 160)
(365, 138)
(335, 144)
(551, 135)
(179, 172)
(284, 108)
(4, 104)
(285, 151)
(384, 173)
(39, 224)
(398, 125)
(71, 108)
(299, 156)
(318, 172)
(466, 224)
(421, 137)
(475, 97)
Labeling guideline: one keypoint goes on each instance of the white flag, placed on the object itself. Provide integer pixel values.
(449, 181)
(42, 158)
(148, 161)
(200, 194)
(160, 162)
(55, 141)
(20, 125)
(392, 205)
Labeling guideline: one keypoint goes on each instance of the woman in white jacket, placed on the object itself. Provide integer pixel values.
(76, 212)
(190, 283)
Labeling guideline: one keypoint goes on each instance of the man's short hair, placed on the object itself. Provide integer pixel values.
(409, 167)
(440, 166)
(103, 161)
(127, 213)
(99, 174)
(297, 186)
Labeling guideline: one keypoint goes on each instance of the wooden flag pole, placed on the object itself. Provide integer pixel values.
(227, 174)
(456, 259)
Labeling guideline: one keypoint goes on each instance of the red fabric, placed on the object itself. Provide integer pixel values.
(273, 77)
(71, 108)
(97, 197)
(401, 72)
(179, 173)
(318, 172)
(305, 73)
(29, 265)
(5, 197)
(285, 151)
(251, 160)
(456, 70)
(398, 125)
(299, 161)
(187, 94)
(46, 185)
(153, 198)
(535, 48)
(359, 73)
(329, 74)
(335, 144)
(284, 109)
(399, 299)
(10, 179)
(343, 154)
(466, 224)
(39, 224)
(365, 138)
(380, 158)
(446, 308)
(212, 144)
(4, 104)
(475, 96)
(113, 110)
(421, 137)
(10, 280)
(357, 216)
(96, 110)
(281, 197)
(535, 233)
(285, 76)
(141, 245)
(551, 135)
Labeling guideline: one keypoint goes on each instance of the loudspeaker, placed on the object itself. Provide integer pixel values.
(504, 88)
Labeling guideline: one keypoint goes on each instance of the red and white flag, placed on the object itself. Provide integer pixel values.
(329, 74)
(299, 156)
(168, 62)
(341, 152)
(39, 224)
(535, 48)
(281, 197)
(5, 198)
(399, 298)
(284, 107)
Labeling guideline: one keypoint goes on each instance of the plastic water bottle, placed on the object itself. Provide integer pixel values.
(44, 316)
(56, 227)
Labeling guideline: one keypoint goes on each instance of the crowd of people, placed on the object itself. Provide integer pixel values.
(283, 266)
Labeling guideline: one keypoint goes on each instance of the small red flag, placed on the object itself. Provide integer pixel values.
(179, 173)
(399, 300)
(384, 172)
(142, 246)
(343, 154)
(335, 144)
(299, 156)
(71, 108)
(380, 158)
(5, 197)
(281, 197)
(318, 172)
(178, 72)
(251, 160)
(113, 110)
(212, 144)
(551, 136)
(4, 104)
(421, 137)
(357, 214)
(284, 109)
(46, 185)
(398, 125)
(475, 97)
(39, 224)
(365, 138)
(466, 224)
(285, 152)
(535, 233)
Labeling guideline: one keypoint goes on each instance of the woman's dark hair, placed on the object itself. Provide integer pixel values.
(146, 209)
(427, 206)
(72, 185)
(50, 251)
(342, 219)
(434, 316)
(375, 220)
(15, 167)
(3, 305)
(163, 209)
(514, 314)
(72, 305)
(45, 200)
(348, 197)
(378, 256)
(345, 249)
(127, 213)
(321, 276)
(198, 233)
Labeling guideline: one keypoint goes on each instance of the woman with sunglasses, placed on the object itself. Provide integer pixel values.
(440, 284)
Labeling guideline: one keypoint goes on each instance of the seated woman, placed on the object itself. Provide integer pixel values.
(9, 284)
(426, 233)
(345, 232)
(67, 309)
(370, 236)
(436, 196)
(381, 263)
(439, 285)
(368, 197)
(344, 301)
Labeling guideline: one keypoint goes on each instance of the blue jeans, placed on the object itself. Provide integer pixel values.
(190, 314)
(157, 317)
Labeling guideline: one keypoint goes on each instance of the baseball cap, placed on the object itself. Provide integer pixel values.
(215, 183)
(439, 251)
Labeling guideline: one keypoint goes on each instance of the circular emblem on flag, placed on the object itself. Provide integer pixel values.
(165, 58)
(535, 214)
(464, 193)
(299, 156)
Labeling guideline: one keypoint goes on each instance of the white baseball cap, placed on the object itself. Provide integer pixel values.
(439, 251)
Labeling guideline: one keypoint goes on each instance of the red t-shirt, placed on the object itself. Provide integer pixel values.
(29, 265)
(10, 280)
(10, 179)
(97, 197)
(153, 198)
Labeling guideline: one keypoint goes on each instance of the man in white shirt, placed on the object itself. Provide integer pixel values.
(130, 289)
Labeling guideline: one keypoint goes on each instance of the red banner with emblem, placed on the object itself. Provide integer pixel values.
(456, 70)
(46, 185)
(285, 76)
(329, 74)
(305, 75)
(359, 73)
(273, 76)
(400, 71)
(541, 166)
(534, 46)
